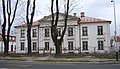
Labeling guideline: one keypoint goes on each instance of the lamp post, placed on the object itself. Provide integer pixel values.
(113, 1)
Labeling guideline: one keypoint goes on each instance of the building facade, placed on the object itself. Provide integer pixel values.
(12, 44)
(83, 35)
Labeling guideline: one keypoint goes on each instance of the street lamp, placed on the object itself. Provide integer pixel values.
(113, 1)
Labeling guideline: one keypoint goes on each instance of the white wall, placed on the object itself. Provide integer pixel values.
(93, 38)
(19, 40)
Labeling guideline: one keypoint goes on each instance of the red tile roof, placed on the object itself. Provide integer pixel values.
(91, 20)
(11, 40)
(118, 39)
(36, 23)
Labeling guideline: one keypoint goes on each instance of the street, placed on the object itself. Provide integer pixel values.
(39, 65)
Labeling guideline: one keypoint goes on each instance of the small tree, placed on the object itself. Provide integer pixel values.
(29, 20)
(54, 23)
(8, 19)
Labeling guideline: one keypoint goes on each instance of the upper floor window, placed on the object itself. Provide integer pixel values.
(46, 32)
(100, 45)
(70, 31)
(46, 45)
(59, 31)
(34, 33)
(22, 46)
(85, 45)
(34, 45)
(84, 31)
(22, 33)
(70, 45)
(100, 30)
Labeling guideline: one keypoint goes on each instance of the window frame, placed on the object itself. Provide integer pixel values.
(34, 32)
(34, 46)
(59, 31)
(47, 32)
(84, 45)
(22, 33)
(70, 45)
(47, 45)
(100, 30)
(84, 31)
(22, 46)
(70, 31)
(100, 45)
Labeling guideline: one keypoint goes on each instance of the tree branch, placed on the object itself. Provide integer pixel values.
(27, 11)
(14, 13)
(65, 21)
(33, 12)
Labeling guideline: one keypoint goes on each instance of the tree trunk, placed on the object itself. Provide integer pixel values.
(29, 40)
(6, 48)
(58, 48)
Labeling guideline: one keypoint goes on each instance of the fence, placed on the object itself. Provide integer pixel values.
(90, 50)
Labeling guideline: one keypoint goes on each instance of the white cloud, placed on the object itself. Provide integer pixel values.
(103, 9)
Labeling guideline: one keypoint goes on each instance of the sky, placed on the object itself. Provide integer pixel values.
(93, 8)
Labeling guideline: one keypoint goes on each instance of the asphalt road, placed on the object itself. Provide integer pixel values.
(40, 65)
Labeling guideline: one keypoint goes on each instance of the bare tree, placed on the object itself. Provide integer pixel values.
(8, 20)
(29, 19)
(54, 23)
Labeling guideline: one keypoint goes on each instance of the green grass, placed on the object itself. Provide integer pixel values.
(14, 59)
(106, 56)
(71, 56)
(61, 61)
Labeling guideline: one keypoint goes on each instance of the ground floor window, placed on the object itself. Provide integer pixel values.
(70, 45)
(100, 45)
(85, 45)
(11, 48)
(34, 45)
(22, 44)
(46, 45)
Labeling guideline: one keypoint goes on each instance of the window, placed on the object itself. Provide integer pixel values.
(34, 45)
(70, 31)
(11, 48)
(85, 45)
(100, 45)
(59, 31)
(34, 33)
(22, 46)
(100, 30)
(46, 32)
(84, 31)
(46, 45)
(70, 45)
(22, 33)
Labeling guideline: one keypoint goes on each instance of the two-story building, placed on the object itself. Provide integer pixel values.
(21, 38)
(83, 35)
(12, 44)
(94, 34)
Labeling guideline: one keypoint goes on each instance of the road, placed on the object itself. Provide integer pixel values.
(39, 65)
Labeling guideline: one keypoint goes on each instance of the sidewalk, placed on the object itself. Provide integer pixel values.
(52, 59)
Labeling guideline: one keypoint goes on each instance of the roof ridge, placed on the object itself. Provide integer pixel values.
(87, 19)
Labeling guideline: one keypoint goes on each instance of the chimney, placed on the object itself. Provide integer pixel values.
(82, 14)
(74, 14)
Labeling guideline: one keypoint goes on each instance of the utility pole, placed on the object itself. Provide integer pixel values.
(113, 1)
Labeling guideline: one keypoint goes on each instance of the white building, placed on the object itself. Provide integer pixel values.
(21, 38)
(83, 35)
(12, 44)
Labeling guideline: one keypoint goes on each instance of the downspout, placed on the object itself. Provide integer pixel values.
(38, 39)
(79, 36)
